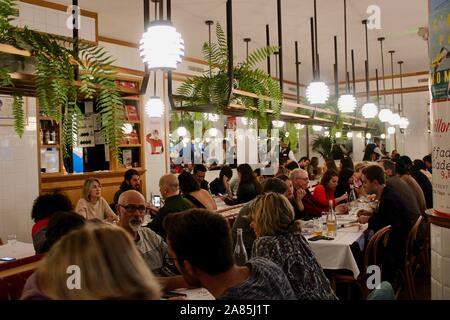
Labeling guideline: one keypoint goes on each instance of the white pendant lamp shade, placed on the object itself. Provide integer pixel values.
(385, 115)
(317, 92)
(404, 123)
(347, 103)
(154, 107)
(349, 135)
(213, 132)
(383, 136)
(368, 135)
(299, 126)
(317, 128)
(278, 123)
(161, 47)
(127, 128)
(338, 135)
(394, 119)
(391, 130)
(369, 110)
(326, 133)
(181, 131)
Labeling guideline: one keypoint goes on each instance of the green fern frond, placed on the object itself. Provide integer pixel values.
(259, 55)
(19, 115)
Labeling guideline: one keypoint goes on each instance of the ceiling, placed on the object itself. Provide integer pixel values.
(400, 20)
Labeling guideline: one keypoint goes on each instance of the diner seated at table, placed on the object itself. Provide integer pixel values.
(248, 188)
(346, 163)
(393, 211)
(404, 173)
(330, 165)
(357, 178)
(324, 192)
(243, 219)
(409, 195)
(419, 165)
(280, 240)
(296, 202)
(110, 268)
(44, 207)
(131, 209)
(221, 185)
(173, 202)
(345, 183)
(196, 196)
(199, 173)
(422, 180)
(92, 204)
(200, 244)
(313, 169)
(303, 163)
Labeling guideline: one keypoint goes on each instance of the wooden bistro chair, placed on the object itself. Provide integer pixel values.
(411, 260)
(376, 243)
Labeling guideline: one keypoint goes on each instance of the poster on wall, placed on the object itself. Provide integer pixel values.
(86, 136)
(439, 46)
(154, 140)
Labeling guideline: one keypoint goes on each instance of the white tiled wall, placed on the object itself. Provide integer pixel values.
(53, 21)
(440, 263)
(19, 177)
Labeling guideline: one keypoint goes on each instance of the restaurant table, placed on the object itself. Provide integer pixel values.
(18, 250)
(196, 294)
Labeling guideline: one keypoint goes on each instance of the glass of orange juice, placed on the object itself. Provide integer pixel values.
(317, 226)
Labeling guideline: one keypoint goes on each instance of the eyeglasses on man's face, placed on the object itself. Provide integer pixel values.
(131, 208)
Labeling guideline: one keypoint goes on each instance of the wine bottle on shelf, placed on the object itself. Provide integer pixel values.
(53, 134)
(46, 135)
(41, 136)
(240, 254)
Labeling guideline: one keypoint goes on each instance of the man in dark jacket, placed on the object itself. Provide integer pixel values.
(199, 175)
(131, 181)
(391, 211)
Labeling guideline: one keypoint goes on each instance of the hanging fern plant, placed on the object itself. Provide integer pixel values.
(56, 89)
(212, 86)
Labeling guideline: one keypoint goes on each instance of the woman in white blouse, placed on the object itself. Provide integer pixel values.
(92, 205)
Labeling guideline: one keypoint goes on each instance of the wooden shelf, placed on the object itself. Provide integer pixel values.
(133, 121)
(130, 145)
(45, 118)
(48, 146)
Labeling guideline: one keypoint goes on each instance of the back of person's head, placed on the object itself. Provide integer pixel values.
(375, 173)
(169, 181)
(427, 158)
(407, 161)
(226, 171)
(419, 165)
(46, 205)
(201, 237)
(360, 166)
(298, 173)
(274, 185)
(376, 140)
(187, 183)
(347, 163)
(104, 263)
(60, 224)
(292, 166)
(331, 165)
(401, 167)
(314, 161)
(389, 165)
(283, 177)
(272, 214)
(257, 172)
(282, 171)
(199, 167)
(344, 175)
(327, 176)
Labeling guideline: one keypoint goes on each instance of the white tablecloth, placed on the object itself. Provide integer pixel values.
(197, 294)
(336, 254)
(18, 250)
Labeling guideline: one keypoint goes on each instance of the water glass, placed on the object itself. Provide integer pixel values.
(12, 239)
(317, 227)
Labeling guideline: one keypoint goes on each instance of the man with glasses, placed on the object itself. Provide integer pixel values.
(131, 209)
(173, 202)
(302, 195)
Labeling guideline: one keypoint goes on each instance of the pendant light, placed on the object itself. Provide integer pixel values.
(369, 110)
(347, 102)
(154, 108)
(404, 122)
(317, 128)
(161, 46)
(317, 91)
(385, 113)
(278, 124)
(391, 130)
(395, 117)
(299, 126)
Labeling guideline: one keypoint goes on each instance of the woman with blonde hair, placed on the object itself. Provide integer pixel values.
(279, 239)
(92, 204)
(96, 262)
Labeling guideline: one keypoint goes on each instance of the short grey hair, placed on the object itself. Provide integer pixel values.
(297, 173)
